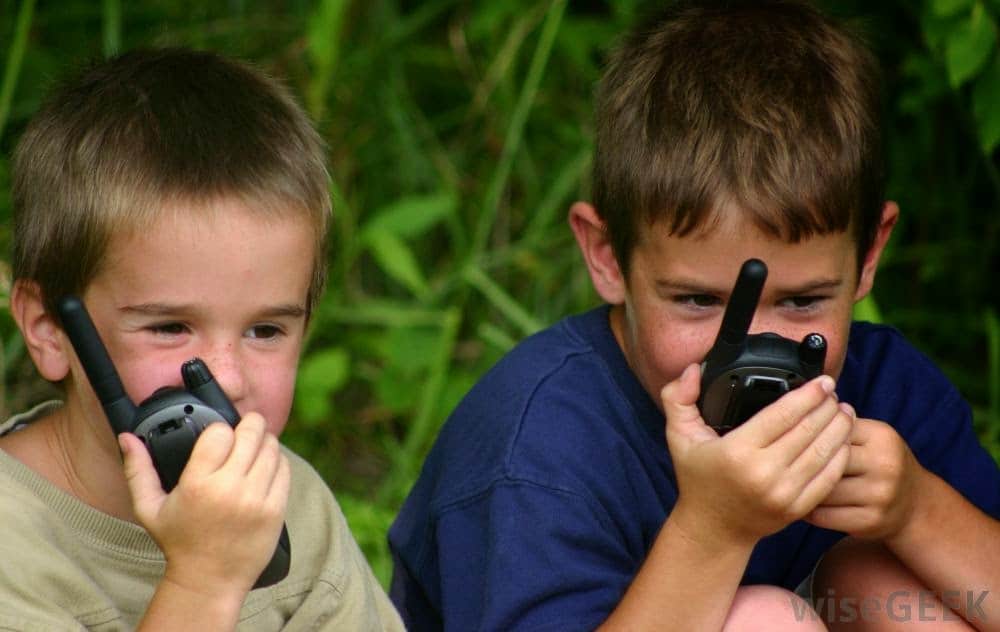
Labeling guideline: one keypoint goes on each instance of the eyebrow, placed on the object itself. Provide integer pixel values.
(287, 310)
(813, 286)
(685, 286)
(688, 287)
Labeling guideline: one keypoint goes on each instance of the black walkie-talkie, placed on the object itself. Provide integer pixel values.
(168, 421)
(743, 372)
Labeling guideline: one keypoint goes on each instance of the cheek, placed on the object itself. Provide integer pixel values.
(143, 378)
(275, 396)
(835, 351)
(664, 351)
(672, 357)
(836, 332)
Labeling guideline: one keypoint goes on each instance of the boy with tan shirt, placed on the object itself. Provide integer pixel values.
(183, 197)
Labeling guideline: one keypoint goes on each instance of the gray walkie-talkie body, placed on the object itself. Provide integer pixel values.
(744, 372)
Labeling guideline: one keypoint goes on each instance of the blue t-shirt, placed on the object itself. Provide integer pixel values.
(550, 481)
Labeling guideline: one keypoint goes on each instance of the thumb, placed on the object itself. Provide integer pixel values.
(140, 474)
(680, 405)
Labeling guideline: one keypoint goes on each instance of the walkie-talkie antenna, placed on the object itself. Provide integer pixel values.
(97, 364)
(200, 382)
(743, 302)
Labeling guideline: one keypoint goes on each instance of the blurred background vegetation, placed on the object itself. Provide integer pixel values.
(459, 133)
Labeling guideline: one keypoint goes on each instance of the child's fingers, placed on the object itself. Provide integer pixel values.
(828, 444)
(851, 491)
(681, 395)
(680, 398)
(210, 451)
(845, 518)
(140, 475)
(864, 449)
(277, 495)
(847, 408)
(248, 438)
(820, 486)
(281, 485)
(270, 477)
(264, 469)
(812, 436)
(778, 418)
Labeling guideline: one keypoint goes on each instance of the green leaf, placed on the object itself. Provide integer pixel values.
(950, 8)
(412, 349)
(516, 313)
(320, 376)
(924, 83)
(985, 98)
(396, 390)
(323, 43)
(969, 46)
(15, 58)
(867, 310)
(413, 215)
(625, 10)
(396, 260)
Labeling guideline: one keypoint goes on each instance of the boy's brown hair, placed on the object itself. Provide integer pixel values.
(769, 106)
(132, 136)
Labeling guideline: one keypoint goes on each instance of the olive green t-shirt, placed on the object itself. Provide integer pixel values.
(67, 566)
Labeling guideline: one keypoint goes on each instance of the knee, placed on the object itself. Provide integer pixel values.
(771, 608)
(861, 568)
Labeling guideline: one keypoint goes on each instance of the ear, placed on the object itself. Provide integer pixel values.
(42, 334)
(890, 213)
(595, 245)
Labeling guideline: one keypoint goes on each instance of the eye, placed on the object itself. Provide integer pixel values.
(264, 332)
(697, 301)
(168, 329)
(803, 303)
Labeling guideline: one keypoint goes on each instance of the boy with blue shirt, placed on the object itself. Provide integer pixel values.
(553, 500)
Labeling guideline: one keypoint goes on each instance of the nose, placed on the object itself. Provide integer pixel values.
(767, 321)
(762, 323)
(224, 362)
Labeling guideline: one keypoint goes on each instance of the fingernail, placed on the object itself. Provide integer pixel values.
(827, 384)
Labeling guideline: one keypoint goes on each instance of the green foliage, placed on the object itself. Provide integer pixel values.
(321, 375)
(459, 133)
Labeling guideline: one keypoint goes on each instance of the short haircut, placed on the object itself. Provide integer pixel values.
(769, 106)
(125, 138)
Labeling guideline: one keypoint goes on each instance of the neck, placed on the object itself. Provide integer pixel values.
(76, 456)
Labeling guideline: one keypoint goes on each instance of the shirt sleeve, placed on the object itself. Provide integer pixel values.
(331, 585)
(526, 556)
(945, 442)
(889, 379)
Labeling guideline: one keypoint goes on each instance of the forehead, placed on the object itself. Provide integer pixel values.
(223, 247)
(718, 249)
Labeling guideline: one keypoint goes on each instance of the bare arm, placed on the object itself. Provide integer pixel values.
(948, 543)
(955, 549)
(671, 589)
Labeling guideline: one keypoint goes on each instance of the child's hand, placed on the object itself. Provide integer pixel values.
(219, 526)
(761, 476)
(875, 498)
